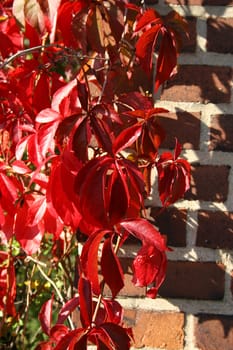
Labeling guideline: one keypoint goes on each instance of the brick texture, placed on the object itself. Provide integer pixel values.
(183, 125)
(130, 289)
(172, 223)
(189, 42)
(220, 35)
(199, 84)
(151, 2)
(193, 280)
(215, 230)
(200, 229)
(217, 189)
(221, 132)
(156, 330)
(201, 2)
(214, 332)
(232, 283)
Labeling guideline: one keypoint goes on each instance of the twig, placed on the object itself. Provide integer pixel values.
(23, 53)
(41, 47)
(55, 288)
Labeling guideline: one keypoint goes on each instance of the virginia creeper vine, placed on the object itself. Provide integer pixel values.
(80, 137)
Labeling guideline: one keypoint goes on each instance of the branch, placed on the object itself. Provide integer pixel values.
(54, 286)
(23, 53)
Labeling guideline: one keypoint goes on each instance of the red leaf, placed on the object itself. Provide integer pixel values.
(85, 297)
(173, 176)
(9, 192)
(146, 232)
(135, 100)
(83, 94)
(61, 190)
(117, 196)
(36, 210)
(127, 137)
(69, 340)
(150, 263)
(57, 332)
(114, 311)
(102, 118)
(44, 346)
(166, 64)
(45, 138)
(81, 137)
(108, 189)
(149, 17)
(33, 148)
(146, 44)
(102, 133)
(48, 115)
(98, 186)
(110, 266)
(149, 267)
(145, 47)
(29, 237)
(65, 100)
(20, 167)
(41, 92)
(117, 335)
(89, 259)
(152, 134)
(89, 188)
(102, 339)
(66, 14)
(45, 316)
(67, 309)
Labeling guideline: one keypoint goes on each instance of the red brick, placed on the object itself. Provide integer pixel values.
(194, 83)
(183, 125)
(172, 223)
(220, 35)
(209, 183)
(232, 283)
(214, 332)
(130, 289)
(201, 2)
(193, 280)
(156, 330)
(189, 42)
(151, 2)
(221, 132)
(215, 230)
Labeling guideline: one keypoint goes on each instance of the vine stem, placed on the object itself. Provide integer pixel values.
(116, 248)
(55, 288)
(24, 53)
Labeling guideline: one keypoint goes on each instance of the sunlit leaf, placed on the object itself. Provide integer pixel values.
(45, 316)
(110, 266)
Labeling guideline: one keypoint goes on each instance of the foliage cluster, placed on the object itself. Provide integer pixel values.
(79, 138)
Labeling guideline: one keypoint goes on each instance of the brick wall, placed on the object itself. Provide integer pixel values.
(195, 306)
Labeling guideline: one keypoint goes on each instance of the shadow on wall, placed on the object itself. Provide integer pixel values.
(204, 83)
(199, 83)
(221, 133)
(214, 332)
(197, 2)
